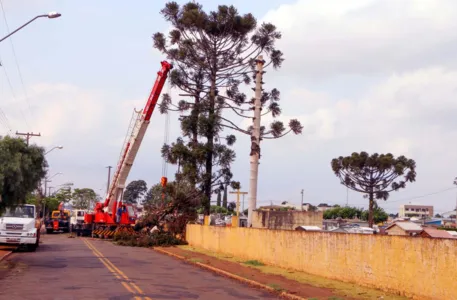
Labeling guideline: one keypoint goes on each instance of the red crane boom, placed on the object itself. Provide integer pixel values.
(105, 213)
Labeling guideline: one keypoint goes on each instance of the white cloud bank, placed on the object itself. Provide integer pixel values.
(409, 110)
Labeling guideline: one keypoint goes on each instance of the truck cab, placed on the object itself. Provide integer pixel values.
(20, 227)
(77, 218)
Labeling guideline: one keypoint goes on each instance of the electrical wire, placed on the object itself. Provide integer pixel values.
(18, 68)
(422, 196)
(3, 118)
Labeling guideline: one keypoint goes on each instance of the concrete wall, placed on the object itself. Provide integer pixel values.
(288, 220)
(412, 267)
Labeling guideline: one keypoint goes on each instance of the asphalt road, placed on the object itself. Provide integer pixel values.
(79, 268)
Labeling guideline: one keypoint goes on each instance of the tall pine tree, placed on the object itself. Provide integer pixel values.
(213, 53)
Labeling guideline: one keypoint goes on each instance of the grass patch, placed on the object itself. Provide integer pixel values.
(275, 286)
(343, 289)
(196, 260)
(254, 263)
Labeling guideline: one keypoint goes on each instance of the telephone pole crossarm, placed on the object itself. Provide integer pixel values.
(28, 135)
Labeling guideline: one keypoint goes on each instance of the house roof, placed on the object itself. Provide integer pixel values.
(436, 233)
(407, 226)
(309, 228)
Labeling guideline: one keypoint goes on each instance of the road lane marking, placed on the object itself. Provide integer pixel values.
(116, 272)
(115, 268)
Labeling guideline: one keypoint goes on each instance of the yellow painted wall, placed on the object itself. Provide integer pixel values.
(413, 267)
(285, 219)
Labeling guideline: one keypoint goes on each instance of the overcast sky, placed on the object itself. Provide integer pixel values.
(361, 75)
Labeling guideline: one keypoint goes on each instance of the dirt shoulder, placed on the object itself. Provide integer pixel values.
(296, 283)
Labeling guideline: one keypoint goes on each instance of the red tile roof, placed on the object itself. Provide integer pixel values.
(436, 233)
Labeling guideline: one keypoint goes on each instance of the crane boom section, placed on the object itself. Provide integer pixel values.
(136, 137)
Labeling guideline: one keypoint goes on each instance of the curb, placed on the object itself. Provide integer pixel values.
(5, 255)
(233, 276)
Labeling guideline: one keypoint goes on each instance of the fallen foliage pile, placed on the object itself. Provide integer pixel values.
(141, 239)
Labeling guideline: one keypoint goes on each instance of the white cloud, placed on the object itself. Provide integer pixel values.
(322, 38)
(409, 114)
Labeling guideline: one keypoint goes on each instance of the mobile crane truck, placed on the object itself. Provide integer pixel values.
(102, 222)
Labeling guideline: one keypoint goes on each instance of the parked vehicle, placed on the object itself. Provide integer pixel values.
(60, 221)
(20, 227)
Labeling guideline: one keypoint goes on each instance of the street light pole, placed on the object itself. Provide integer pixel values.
(51, 15)
(56, 147)
(46, 180)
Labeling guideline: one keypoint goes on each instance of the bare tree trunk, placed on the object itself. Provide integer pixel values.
(255, 141)
(370, 211)
(210, 146)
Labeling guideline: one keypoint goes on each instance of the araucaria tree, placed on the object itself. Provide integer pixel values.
(374, 175)
(213, 54)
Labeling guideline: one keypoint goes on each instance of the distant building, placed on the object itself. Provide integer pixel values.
(404, 228)
(420, 211)
(323, 207)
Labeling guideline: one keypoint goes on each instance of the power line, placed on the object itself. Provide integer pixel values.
(17, 66)
(422, 196)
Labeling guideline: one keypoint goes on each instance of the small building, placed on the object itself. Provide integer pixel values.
(308, 228)
(404, 228)
(323, 207)
(420, 211)
(436, 233)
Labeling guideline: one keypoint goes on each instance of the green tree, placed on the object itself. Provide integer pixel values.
(64, 195)
(134, 191)
(379, 215)
(83, 198)
(52, 203)
(312, 208)
(374, 175)
(215, 52)
(218, 209)
(153, 197)
(343, 212)
(21, 169)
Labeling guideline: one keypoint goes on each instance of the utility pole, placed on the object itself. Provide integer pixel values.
(238, 193)
(302, 191)
(28, 135)
(242, 208)
(109, 178)
(255, 140)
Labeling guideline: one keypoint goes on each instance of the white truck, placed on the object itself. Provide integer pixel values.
(18, 227)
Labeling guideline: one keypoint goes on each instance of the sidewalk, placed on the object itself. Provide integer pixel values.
(290, 284)
(5, 251)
